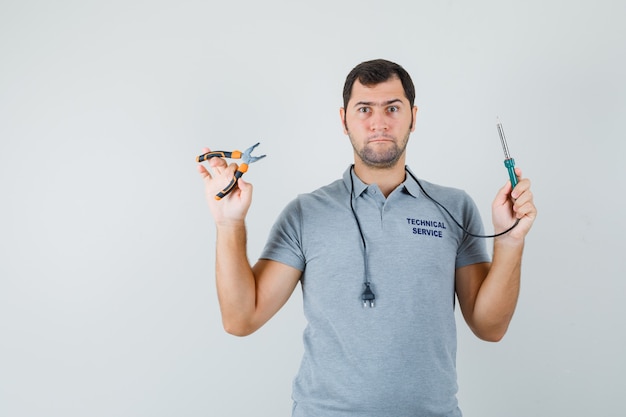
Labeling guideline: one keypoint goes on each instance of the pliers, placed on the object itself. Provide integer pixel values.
(246, 159)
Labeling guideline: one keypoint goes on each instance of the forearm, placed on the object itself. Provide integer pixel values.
(488, 293)
(498, 294)
(236, 286)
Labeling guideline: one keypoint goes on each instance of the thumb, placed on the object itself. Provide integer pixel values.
(503, 195)
(243, 193)
(244, 186)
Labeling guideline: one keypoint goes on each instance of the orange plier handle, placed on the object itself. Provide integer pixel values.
(246, 158)
(240, 171)
(218, 154)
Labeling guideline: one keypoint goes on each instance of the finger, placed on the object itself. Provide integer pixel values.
(524, 204)
(522, 190)
(204, 173)
(231, 168)
(226, 175)
(522, 186)
(244, 186)
(518, 174)
(526, 210)
(245, 189)
(218, 164)
(215, 162)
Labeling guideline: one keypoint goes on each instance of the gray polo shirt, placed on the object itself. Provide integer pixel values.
(398, 358)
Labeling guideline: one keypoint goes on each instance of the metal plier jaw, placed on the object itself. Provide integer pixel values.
(246, 159)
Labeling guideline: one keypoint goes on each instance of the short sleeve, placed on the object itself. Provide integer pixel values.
(472, 249)
(284, 241)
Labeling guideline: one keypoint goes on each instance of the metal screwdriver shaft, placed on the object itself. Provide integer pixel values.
(509, 162)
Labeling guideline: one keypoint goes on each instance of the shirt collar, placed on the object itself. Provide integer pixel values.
(353, 183)
(410, 185)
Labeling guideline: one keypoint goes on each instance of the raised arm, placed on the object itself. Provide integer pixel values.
(488, 293)
(248, 296)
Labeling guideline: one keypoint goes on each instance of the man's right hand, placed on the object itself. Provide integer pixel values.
(231, 209)
(248, 296)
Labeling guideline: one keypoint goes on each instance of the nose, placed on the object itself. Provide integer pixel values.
(378, 122)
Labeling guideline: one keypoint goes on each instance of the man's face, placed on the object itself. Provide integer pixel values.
(378, 120)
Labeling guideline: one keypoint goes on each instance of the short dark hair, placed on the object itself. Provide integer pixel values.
(370, 73)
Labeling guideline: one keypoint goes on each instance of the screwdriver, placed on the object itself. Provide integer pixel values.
(509, 162)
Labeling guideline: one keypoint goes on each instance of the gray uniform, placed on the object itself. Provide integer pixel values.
(398, 358)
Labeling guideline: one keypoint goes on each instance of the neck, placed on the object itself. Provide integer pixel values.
(387, 179)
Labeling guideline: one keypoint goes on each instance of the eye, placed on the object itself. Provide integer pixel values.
(393, 109)
(363, 110)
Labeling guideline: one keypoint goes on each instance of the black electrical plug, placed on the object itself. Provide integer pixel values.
(368, 296)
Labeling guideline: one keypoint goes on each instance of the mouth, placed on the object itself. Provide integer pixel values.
(380, 139)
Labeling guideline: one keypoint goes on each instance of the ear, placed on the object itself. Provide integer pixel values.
(342, 115)
(414, 110)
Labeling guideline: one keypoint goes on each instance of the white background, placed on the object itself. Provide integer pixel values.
(107, 294)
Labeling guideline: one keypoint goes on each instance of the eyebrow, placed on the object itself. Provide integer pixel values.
(378, 104)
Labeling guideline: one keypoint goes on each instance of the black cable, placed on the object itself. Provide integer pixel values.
(368, 296)
(455, 220)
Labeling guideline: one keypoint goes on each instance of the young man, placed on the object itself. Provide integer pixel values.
(379, 263)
